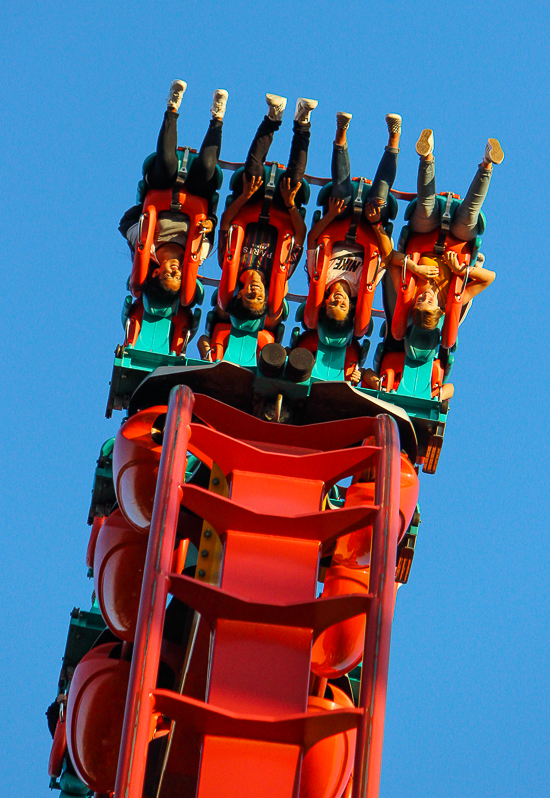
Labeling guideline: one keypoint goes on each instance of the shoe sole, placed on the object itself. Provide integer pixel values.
(496, 152)
(393, 121)
(423, 145)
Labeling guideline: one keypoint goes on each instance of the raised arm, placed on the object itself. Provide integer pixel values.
(249, 188)
(479, 278)
(289, 195)
(372, 213)
(335, 208)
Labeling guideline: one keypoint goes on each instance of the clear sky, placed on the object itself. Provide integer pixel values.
(82, 96)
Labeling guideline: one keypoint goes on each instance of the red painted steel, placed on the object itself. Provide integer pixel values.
(264, 618)
(368, 756)
(146, 654)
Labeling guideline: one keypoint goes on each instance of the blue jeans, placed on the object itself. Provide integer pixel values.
(426, 214)
(383, 179)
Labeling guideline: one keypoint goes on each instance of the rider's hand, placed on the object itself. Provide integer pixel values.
(426, 270)
(251, 186)
(206, 225)
(335, 206)
(288, 193)
(372, 212)
(451, 259)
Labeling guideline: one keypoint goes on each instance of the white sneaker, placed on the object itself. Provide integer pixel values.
(393, 121)
(177, 90)
(342, 120)
(277, 105)
(425, 144)
(219, 104)
(304, 108)
(493, 152)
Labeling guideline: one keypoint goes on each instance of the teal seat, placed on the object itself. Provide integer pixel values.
(442, 202)
(143, 188)
(325, 193)
(236, 187)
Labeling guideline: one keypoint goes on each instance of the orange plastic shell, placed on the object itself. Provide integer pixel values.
(95, 712)
(118, 571)
(59, 747)
(340, 648)
(220, 340)
(196, 208)
(136, 459)
(391, 371)
(335, 232)
(309, 340)
(327, 766)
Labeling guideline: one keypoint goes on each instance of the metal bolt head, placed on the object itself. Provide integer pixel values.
(207, 533)
(202, 573)
(204, 553)
(215, 481)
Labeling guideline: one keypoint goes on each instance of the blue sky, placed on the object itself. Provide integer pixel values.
(83, 88)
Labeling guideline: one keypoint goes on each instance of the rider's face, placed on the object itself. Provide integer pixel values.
(169, 270)
(427, 299)
(253, 292)
(337, 304)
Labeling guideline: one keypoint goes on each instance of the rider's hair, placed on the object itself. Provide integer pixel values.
(237, 309)
(157, 293)
(426, 319)
(338, 327)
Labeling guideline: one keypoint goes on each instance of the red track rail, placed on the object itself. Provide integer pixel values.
(240, 616)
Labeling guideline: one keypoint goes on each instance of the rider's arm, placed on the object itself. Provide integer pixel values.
(372, 212)
(249, 187)
(480, 278)
(335, 208)
(289, 195)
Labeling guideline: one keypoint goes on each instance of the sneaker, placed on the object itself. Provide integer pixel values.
(277, 105)
(219, 104)
(342, 120)
(393, 121)
(177, 90)
(493, 152)
(304, 108)
(425, 144)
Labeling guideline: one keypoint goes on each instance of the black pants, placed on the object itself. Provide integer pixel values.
(201, 178)
(297, 161)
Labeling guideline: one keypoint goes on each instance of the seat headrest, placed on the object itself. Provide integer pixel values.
(236, 184)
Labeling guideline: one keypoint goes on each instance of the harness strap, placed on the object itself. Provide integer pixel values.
(268, 194)
(445, 226)
(351, 235)
(180, 180)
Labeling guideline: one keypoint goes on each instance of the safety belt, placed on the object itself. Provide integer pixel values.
(351, 235)
(180, 180)
(268, 194)
(439, 247)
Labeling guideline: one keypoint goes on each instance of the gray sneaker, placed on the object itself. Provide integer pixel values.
(425, 144)
(219, 104)
(277, 105)
(177, 90)
(342, 120)
(493, 152)
(304, 107)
